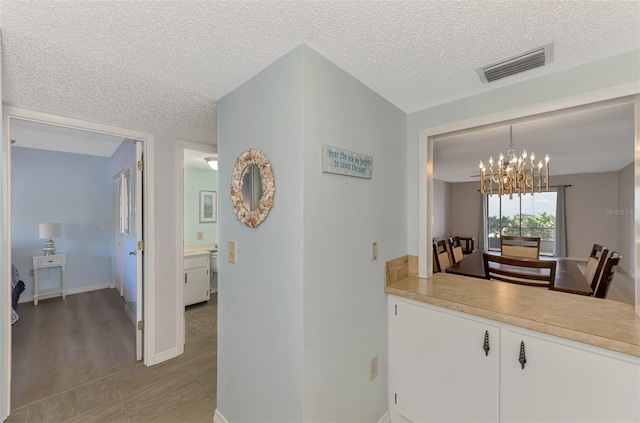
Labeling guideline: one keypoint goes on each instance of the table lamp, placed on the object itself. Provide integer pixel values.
(49, 231)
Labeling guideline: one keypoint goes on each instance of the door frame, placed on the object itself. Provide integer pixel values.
(179, 155)
(9, 112)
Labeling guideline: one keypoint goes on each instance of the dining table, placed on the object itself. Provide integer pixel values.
(568, 278)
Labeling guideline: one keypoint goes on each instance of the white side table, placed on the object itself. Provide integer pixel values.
(41, 262)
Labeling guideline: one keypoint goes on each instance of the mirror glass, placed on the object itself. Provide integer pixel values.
(251, 187)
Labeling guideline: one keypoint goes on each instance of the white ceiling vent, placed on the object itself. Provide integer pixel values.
(534, 58)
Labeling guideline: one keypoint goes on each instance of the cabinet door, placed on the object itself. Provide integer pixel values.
(196, 285)
(439, 368)
(565, 381)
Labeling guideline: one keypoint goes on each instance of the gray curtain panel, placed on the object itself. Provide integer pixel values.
(482, 224)
(560, 244)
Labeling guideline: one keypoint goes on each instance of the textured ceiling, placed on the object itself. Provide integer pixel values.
(161, 66)
(589, 139)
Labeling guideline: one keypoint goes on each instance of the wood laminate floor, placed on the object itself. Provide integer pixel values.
(180, 390)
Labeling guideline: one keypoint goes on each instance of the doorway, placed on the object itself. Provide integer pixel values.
(77, 227)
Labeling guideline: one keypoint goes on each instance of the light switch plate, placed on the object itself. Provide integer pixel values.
(374, 251)
(232, 251)
(199, 236)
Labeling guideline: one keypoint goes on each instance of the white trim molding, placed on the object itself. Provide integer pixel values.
(622, 92)
(219, 418)
(386, 418)
(9, 112)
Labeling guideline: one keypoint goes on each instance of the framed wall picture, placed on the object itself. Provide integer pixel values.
(208, 206)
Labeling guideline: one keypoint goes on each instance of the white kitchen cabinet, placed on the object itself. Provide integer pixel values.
(196, 279)
(565, 381)
(440, 369)
(435, 373)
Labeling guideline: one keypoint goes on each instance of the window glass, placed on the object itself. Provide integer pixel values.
(524, 215)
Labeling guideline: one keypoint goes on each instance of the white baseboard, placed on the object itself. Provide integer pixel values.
(219, 418)
(166, 355)
(130, 313)
(386, 418)
(77, 290)
(213, 290)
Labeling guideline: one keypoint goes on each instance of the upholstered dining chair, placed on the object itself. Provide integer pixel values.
(607, 275)
(455, 247)
(523, 271)
(595, 264)
(520, 246)
(441, 255)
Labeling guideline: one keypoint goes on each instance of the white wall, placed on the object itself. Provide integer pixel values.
(260, 333)
(465, 210)
(442, 209)
(601, 74)
(345, 322)
(625, 217)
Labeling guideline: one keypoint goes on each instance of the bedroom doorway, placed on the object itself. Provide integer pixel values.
(78, 229)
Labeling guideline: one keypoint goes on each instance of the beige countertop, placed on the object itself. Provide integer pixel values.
(603, 323)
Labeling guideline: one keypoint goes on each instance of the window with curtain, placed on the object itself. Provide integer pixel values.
(524, 215)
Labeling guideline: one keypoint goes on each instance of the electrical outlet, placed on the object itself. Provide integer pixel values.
(374, 251)
(30, 272)
(373, 368)
(232, 251)
(199, 236)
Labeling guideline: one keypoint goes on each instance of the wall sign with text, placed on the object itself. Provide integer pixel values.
(348, 163)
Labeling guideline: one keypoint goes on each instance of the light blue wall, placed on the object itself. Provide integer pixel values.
(304, 309)
(260, 310)
(601, 74)
(345, 307)
(72, 189)
(196, 180)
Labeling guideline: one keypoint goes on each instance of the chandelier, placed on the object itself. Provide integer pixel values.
(516, 175)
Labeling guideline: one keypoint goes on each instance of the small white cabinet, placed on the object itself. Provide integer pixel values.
(196, 279)
(438, 372)
(565, 381)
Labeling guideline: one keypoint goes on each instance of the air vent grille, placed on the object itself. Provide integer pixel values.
(522, 62)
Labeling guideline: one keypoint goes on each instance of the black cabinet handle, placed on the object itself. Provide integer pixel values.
(485, 346)
(523, 358)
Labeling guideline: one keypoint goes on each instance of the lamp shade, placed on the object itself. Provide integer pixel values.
(50, 230)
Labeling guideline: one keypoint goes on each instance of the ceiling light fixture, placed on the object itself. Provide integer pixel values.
(514, 176)
(212, 162)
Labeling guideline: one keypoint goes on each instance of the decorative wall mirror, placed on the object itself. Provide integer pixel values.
(252, 187)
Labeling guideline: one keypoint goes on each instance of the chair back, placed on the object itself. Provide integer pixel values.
(455, 247)
(523, 271)
(595, 264)
(607, 275)
(441, 255)
(520, 246)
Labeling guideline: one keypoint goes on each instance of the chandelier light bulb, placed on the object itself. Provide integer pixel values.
(513, 176)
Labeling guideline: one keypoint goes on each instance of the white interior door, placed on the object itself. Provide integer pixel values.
(137, 194)
(118, 239)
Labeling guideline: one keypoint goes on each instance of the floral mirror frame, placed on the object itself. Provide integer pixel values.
(249, 157)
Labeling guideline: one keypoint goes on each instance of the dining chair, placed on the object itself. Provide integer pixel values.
(523, 271)
(457, 253)
(441, 255)
(520, 246)
(607, 275)
(595, 264)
